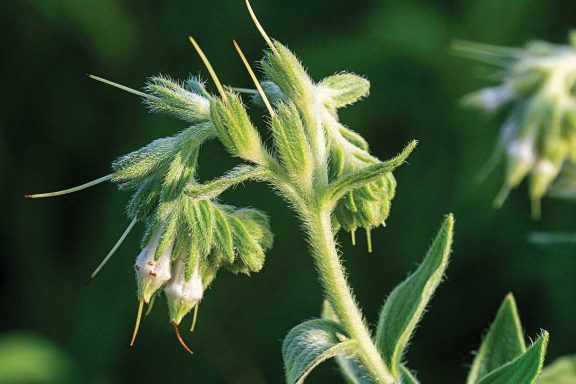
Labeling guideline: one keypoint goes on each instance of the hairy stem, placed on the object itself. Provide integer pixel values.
(339, 293)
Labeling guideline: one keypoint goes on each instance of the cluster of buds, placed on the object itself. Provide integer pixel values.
(538, 92)
(289, 87)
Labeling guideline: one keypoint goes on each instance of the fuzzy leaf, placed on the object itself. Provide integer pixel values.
(181, 169)
(503, 343)
(145, 200)
(223, 243)
(250, 256)
(366, 175)
(310, 343)
(524, 369)
(131, 169)
(405, 305)
(561, 371)
(351, 369)
(344, 89)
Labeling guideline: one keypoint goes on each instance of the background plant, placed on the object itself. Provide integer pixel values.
(536, 91)
(400, 47)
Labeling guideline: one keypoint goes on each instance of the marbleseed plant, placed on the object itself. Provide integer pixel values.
(536, 90)
(326, 173)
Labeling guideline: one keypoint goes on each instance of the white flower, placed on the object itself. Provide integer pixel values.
(182, 294)
(152, 274)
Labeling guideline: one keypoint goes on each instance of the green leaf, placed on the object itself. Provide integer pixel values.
(310, 343)
(522, 370)
(359, 178)
(561, 371)
(503, 343)
(407, 302)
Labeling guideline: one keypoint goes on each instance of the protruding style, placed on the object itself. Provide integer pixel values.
(209, 68)
(260, 29)
(137, 324)
(69, 190)
(254, 79)
(179, 337)
(120, 86)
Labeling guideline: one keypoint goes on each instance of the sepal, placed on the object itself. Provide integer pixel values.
(188, 101)
(292, 144)
(343, 89)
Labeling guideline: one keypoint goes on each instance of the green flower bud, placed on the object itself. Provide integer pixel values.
(188, 101)
(291, 144)
(284, 69)
(236, 131)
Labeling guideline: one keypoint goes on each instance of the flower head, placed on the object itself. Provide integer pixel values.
(537, 91)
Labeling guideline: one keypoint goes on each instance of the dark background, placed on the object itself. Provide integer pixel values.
(59, 129)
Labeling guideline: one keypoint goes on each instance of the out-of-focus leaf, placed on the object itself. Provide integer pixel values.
(561, 371)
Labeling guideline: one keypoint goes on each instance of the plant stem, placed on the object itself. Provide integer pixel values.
(339, 293)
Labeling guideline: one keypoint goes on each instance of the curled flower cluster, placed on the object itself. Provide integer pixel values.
(322, 168)
(538, 91)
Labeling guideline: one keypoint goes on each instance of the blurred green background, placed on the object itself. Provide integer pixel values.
(59, 129)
